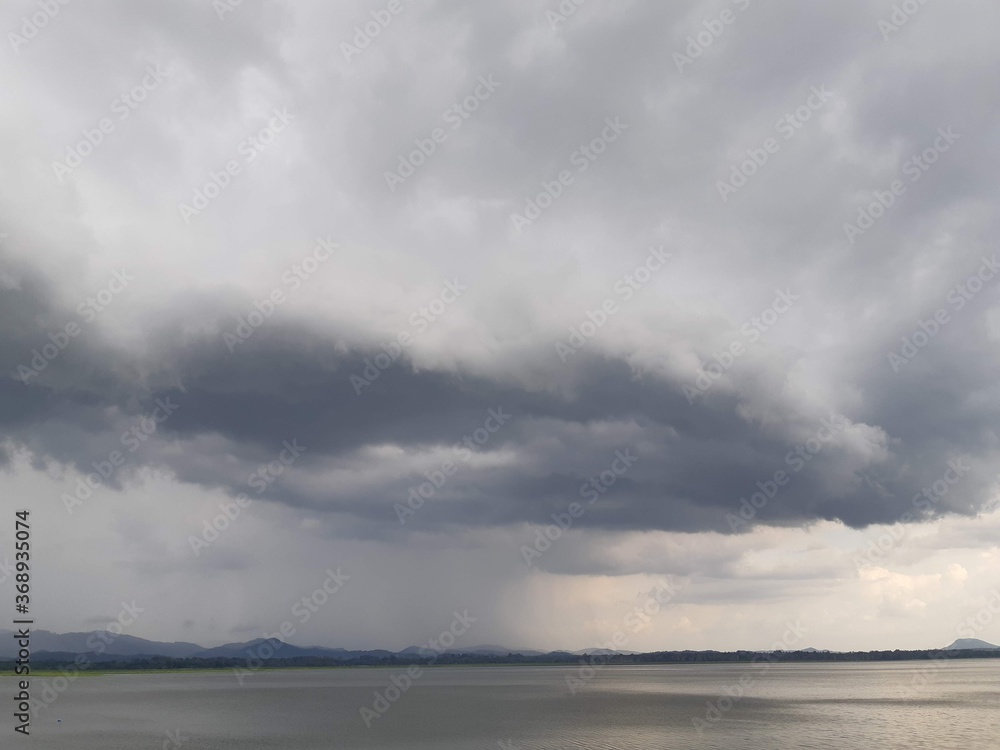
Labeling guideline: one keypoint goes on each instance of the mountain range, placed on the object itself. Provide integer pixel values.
(103, 645)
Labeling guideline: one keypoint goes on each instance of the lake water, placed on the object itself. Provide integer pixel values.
(783, 706)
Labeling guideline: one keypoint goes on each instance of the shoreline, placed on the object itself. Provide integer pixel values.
(47, 672)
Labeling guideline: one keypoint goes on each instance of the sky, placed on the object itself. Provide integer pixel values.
(678, 320)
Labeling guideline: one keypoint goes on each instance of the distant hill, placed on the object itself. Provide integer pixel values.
(259, 648)
(97, 641)
(963, 644)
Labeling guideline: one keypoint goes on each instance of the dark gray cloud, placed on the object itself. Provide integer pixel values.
(695, 461)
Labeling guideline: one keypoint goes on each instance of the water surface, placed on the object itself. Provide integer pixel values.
(845, 705)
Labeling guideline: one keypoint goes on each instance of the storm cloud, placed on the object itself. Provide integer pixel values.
(471, 258)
